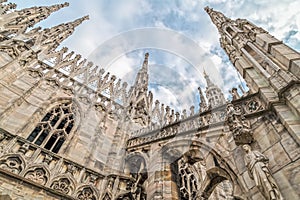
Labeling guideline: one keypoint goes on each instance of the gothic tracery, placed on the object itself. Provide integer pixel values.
(54, 128)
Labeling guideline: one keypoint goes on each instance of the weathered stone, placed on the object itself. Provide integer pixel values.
(295, 67)
(277, 156)
(238, 156)
(290, 146)
(265, 40)
(266, 136)
(285, 55)
(288, 180)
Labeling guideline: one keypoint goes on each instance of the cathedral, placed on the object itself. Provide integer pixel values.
(69, 130)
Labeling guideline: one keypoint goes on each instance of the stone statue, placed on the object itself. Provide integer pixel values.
(238, 125)
(258, 169)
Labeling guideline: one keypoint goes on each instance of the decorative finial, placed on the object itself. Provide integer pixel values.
(145, 64)
(65, 4)
(57, 7)
(217, 17)
(77, 22)
(208, 9)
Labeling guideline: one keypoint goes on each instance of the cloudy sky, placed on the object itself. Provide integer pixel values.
(178, 34)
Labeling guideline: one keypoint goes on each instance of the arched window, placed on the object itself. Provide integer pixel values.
(188, 180)
(54, 128)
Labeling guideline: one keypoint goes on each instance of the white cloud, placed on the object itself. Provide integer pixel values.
(179, 60)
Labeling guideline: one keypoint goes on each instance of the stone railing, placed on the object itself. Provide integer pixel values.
(57, 175)
(247, 106)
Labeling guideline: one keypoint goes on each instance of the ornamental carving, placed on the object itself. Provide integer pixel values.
(238, 125)
(24, 148)
(187, 180)
(47, 159)
(37, 175)
(71, 169)
(13, 164)
(86, 194)
(62, 185)
(253, 106)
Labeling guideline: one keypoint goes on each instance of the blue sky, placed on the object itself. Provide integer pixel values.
(178, 34)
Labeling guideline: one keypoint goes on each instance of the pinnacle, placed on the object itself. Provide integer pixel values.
(145, 64)
(59, 6)
(77, 22)
(217, 17)
(208, 9)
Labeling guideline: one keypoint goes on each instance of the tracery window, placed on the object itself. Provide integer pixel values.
(53, 130)
(188, 180)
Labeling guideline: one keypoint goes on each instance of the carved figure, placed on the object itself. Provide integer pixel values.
(258, 169)
(239, 127)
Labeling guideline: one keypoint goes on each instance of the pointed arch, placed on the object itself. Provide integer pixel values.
(129, 158)
(222, 168)
(136, 167)
(14, 163)
(37, 173)
(57, 123)
(87, 192)
(64, 184)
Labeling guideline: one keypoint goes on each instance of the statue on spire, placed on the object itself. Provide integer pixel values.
(208, 81)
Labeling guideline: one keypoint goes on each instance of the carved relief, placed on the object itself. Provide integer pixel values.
(13, 164)
(188, 184)
(24, 148)
(37, 175)
(63, 185)
(47, 159)
(71, 169)
(86, 194)
(238, 125)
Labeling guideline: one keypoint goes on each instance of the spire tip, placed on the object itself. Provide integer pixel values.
(208, 9)
(66, 4)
